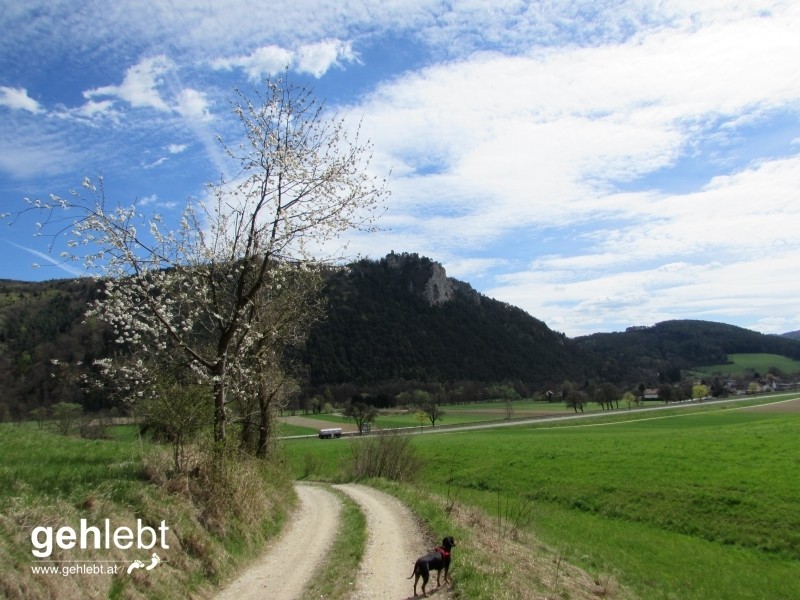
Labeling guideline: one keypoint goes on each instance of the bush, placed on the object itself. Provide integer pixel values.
(384, 454)
(65, 415)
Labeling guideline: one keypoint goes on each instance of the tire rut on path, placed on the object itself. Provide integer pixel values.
(394, 542)
(289, 564)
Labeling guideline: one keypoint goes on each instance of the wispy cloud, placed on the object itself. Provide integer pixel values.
(18, 99)
(28, 150)
(314, 59)
(51, 261)
(139, 87)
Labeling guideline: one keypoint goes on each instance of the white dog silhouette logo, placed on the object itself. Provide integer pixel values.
(137, 564)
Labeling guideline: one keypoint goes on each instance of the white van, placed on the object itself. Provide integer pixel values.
(334, 432)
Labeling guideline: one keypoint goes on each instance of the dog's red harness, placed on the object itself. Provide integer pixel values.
(441, 550)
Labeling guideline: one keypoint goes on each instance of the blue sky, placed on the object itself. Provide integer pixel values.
(599, 164)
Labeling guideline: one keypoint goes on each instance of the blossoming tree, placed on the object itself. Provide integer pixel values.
(203, 294)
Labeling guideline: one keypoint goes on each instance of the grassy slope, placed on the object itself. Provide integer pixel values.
(52, 480)
(760, 363)
(699, 506)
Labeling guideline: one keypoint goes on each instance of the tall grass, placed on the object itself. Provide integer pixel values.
(217, 518)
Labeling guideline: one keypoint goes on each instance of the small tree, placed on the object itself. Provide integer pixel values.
(433, 411)
(421, 417)
(39, 415)
(66, 414)
(361, 412)
(175, 413)
(576, 399)
(630, 399)
(509, 406)
(606, 395)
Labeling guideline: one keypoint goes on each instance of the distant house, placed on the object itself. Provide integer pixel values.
(651, 394)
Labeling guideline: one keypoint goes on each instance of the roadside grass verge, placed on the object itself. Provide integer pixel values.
(216, 518)
(490, 564)
(336, 577)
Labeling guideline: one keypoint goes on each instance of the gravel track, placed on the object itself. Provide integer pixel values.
(288, 565)
(394, 542)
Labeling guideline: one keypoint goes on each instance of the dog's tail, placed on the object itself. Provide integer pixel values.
(414, 572)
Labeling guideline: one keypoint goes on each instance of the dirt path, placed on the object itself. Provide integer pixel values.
(394, 542)
(288, 565)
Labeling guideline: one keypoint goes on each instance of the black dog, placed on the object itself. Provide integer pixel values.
(437, 560)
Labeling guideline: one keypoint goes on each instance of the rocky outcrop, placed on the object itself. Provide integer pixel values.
(429, 279)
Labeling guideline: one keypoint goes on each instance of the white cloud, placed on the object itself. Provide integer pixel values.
(148, 200)
(714, 253)
(314, 59)
(156, 163)
(18, 99)
(139, 87)
(177, 148)
(193, 105)
(91, 109)
(540, 140)
(266, 60)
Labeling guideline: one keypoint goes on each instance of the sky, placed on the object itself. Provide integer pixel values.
(597, 163)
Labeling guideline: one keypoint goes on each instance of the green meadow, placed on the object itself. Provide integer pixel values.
(683, 505)
(459, 414)
(744, 363)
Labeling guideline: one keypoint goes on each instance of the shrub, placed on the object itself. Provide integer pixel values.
(384, 454)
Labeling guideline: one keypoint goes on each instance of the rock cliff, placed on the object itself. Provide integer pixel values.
(429, 279)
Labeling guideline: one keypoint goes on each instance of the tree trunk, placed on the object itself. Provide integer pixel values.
(219, 408)
(265, 420)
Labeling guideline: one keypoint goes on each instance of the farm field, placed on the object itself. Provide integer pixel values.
(743, 363)
(453, 415)
(701, 505)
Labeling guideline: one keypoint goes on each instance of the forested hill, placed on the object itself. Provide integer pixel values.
(399, 318)
(403, 318)
(683, 344)
(42, 334)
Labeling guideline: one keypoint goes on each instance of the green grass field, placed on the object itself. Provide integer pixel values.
(459, 414)
(702, 505)
(759, 363)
